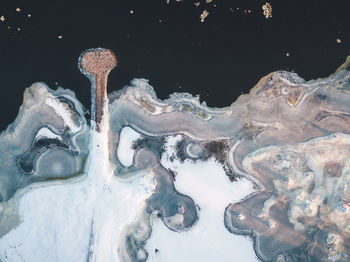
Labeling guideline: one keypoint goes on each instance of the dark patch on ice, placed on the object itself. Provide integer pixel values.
(91, 239)
(210, 149)
(180, 149)
(155, 144)
(172, 173)
(136, 249)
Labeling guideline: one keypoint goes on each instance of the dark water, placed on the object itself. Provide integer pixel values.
(218, 59)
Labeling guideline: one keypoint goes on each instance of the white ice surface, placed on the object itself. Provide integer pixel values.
(47, 133)
(208, 239)
(125, 152)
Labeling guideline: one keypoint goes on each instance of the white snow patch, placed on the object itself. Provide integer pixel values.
(45, 132)
(125, 152)
(208, 240)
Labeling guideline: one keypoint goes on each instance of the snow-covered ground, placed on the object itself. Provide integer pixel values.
(208, 239)
(71, 220)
